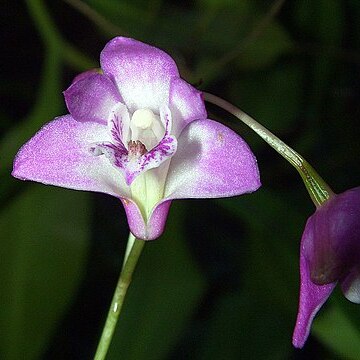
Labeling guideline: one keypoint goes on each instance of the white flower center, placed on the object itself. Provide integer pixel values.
(146, 127)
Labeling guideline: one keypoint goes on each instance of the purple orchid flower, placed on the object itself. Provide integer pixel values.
(139, 132)
(329, 253)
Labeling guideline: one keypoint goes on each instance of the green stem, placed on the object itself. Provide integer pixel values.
(318, 190)
(256, 32)
(118, 299)
(52, 37)
(129, 246)
(100, 21)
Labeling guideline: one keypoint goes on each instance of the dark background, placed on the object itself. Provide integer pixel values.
(222, 282)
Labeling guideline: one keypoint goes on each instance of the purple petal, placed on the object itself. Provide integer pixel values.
(312, 297)
(86, 74)
(330, 252)
(154, 227)
(211, 161)
(141, 72)
(92, 98)
(152, 159)
(59, 155)
(332, 246)
(186, 104)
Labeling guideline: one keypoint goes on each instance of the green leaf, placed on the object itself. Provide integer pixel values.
(49, 102)
(47, 106)
(131, 17)
(323, 20)
(274, 238)
(334, 329)
(219, 3)
(166, 288)
(266, 49)
(44, 242)
(263, 95)
(226, 26)
(246, 326)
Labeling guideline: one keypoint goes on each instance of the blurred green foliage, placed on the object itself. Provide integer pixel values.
(222, 282)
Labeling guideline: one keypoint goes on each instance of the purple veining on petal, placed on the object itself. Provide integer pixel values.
(152, 159)
(118, 125)
(161, 152)
(117, 156)
(166, 119)
(136, 160)
(116, 131)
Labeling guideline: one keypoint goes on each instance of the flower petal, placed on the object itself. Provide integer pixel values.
(332, 246)
(86, 74)
(91, 98)
(59, 155)
(211, 161)
(141, 72)
(186, 104)
(312, 297)
(154, 227)
(350, 286)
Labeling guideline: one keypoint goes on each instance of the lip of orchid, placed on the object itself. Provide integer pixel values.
(139, 142)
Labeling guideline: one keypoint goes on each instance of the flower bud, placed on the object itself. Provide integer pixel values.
(331, 241)
(329, 253)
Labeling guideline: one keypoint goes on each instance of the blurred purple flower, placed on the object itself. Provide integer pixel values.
(329, 253)
(139, 132)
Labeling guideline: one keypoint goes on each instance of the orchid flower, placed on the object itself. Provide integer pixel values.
(138, 132)
(329, 253)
